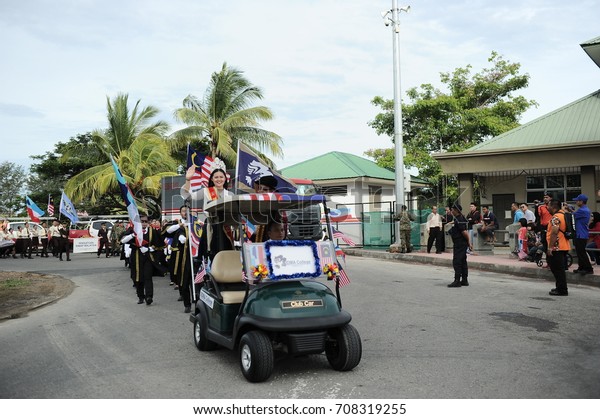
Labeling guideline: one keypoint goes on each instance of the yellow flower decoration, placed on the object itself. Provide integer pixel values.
(260, 272)
(331, 270)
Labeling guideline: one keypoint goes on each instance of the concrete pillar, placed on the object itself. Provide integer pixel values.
(465, 191)
(588, 185)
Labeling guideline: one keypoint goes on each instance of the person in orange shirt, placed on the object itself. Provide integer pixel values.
(558, 246)
(544, 218)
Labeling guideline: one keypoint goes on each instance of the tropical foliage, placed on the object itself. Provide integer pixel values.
(474, 108)
(224, 116)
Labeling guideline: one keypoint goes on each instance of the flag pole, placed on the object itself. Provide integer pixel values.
(237, 166)
(189, 240)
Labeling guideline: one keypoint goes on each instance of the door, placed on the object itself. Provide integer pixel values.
(501, 208)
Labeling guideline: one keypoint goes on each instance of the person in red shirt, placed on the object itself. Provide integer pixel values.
(594, 240)
(545, 217)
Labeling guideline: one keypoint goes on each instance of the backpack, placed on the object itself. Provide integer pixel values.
(570, 229)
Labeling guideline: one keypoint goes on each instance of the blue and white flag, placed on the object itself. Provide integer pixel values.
(132, 209)
(68, 209)
(250, 168)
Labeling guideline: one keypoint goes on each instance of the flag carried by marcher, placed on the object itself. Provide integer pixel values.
(195, 228)
(337, 234)
(50, 208)
(132, 208)
(250, 168)
(33, 210)
(68, 209)
(203, 165)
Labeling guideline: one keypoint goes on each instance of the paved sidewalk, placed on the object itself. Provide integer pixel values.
(502, 263)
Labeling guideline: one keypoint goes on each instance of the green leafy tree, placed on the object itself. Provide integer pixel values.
(475, 107)
(138, 146)
(12, 182)
(224, 116)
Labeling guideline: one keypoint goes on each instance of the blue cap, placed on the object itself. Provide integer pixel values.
(581, 197)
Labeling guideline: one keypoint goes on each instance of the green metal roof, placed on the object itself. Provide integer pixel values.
(337, 165)
(574, 124)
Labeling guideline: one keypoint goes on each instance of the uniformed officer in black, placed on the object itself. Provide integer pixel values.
(460, 239)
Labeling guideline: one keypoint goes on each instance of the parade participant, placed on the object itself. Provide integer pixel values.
(44, 239)
(217, 187)
(6, 241)
(142, 260)
(63, 241)
(265, 184)
(558, 246)
(461, 240)
(54, 237)
(103, 240)
(25, 236)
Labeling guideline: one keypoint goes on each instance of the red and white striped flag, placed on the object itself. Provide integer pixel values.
(200, 275)
(337, 234)
(50, 208)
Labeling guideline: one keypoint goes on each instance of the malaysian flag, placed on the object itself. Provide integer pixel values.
(50, 208)
(203, 165)
(337, 234)
(327, 256)
(201, 273)
(195, 234)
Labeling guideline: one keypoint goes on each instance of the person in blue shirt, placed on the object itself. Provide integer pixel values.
(582, 234)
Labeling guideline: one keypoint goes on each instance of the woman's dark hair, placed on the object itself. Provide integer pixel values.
(210, 179)
(523, 222)
(595, 219)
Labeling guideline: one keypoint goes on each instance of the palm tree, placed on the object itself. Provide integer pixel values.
(224, 117)
(138, 147)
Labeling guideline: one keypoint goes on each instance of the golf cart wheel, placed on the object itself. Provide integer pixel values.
(344, 350)
(540, 263)
(200, 339)
(256, 356)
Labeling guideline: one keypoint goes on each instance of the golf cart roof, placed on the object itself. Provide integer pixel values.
(257, 207)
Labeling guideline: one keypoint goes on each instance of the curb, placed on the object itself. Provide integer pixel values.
(522, 271)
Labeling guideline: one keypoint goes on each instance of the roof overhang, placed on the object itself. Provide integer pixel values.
(582, 154)
(592, 48)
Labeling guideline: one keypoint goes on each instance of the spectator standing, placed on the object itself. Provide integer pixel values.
(461, 240)
(558, 246)
(594, 241)
(405, 229)
(518, 212)
(545, 217)
(528, 214)
(582, 220)
(434, 226)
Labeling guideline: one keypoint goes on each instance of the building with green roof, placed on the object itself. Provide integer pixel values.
(558, 152)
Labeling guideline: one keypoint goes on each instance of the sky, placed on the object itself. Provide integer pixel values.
(318, 62)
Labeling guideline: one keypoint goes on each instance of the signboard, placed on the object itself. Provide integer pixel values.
(85, 245)
(288, 259)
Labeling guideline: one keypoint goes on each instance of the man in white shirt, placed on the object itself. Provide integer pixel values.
(529, 215)
(434, 226)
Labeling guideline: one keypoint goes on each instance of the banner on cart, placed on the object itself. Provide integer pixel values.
(85, 245)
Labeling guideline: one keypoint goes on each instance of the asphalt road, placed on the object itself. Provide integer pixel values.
(502, 337)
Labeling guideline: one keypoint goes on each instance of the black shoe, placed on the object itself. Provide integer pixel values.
(464, 283)
(438, 253)
(60, 258)
(554, 291)
(98, 255)
(148, 301)
(187, 309)
(141, 301)
(455, 284)
(180, 299)
(68, 259)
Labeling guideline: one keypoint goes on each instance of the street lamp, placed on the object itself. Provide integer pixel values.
(394, 22)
